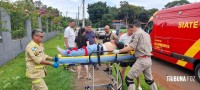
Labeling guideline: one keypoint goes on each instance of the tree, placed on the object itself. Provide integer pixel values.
(96, 11)
(65, 21)
(175, 3)
(143, 17)
(107, 20)
(152, 11)
(113, 11)
(129, 12)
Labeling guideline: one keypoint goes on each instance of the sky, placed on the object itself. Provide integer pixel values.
(70, 7)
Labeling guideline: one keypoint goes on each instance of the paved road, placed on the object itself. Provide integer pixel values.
(162, 69)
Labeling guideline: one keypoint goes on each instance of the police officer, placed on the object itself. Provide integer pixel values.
(141, 44)
(107, 38)
(109, 35)
(36, 61)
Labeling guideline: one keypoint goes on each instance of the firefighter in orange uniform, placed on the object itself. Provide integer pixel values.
(36, 61)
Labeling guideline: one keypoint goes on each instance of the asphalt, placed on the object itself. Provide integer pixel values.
(164, 71)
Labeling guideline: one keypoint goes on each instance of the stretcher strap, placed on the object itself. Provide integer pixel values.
(86, 51)
(98, 55)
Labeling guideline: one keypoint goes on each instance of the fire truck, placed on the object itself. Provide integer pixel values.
(175, 35)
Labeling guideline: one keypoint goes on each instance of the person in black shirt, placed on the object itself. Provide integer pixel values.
(82, 41)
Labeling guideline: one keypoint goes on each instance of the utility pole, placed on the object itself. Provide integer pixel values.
(83, 14)
(76, 19)
(78, 16)
(126, 20)
(66, 13)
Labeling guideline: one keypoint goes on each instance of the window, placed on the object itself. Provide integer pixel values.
(101, 29)
(149, 27)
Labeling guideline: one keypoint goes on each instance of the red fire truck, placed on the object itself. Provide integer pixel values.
(175, 34)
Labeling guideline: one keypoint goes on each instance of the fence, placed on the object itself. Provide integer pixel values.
(10, 48)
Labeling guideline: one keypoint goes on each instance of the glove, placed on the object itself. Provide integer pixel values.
(116, 51)
(55, 59)
(55, 64)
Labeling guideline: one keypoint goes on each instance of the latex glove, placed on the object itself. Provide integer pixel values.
(116, 51)
(55, 64)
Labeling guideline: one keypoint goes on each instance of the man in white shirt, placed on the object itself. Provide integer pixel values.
(69, 35)
(69, 38)
(126, 38)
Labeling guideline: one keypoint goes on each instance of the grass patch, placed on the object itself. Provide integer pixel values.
(12, 74)
(143, 84)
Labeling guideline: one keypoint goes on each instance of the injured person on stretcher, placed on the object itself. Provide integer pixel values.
(85, 51)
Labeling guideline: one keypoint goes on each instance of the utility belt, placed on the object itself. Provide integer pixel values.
(100, 48)
(144, 56)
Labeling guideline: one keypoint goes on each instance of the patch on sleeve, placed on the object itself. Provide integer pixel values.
(132, 39)
(34, 48)
(36, 53)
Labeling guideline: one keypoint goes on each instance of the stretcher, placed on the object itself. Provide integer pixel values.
(95, 59)
(98, 59)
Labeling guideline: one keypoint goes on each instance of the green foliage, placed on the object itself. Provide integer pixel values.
(17, 25)
(129, 12)
(49, 25)
(175, 3)
(34, 20)
(152, 11)
(22, 10)
(2, 28)
(113, 11)
(65, 21)
(18, 22)
(96, 11)
(143, 17)
(44, 23)
(100, 14)
(107, 20)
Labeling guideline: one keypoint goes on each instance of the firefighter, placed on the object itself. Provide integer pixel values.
(36, 61)
(141, 44)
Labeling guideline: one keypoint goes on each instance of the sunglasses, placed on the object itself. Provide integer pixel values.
(39, 36)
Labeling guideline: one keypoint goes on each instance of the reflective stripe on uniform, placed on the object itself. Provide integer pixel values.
(27, 74)
(39, 66)
(36, 80)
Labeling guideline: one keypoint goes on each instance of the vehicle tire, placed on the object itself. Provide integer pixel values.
(197, 72)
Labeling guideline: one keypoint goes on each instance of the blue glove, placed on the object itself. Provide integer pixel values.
(55, 64)
(55, 58)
